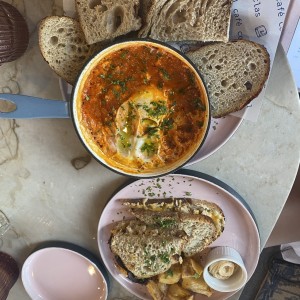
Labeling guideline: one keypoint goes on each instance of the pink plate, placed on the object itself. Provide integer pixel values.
(220, 131)
(240, 231)
(62, 274)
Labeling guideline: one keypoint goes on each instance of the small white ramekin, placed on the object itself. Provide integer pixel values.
(233, 283)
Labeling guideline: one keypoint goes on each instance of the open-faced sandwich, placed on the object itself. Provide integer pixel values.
(158, 247)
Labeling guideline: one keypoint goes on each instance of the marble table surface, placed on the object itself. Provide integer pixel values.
(49, 193)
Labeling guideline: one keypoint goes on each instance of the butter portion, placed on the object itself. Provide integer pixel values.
(222, 269)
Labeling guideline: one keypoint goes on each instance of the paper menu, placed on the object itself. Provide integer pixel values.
(293, 55)
(258, 20)
(290, 39)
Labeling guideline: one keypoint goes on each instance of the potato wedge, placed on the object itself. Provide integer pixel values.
(190, 268)
(175, 290)
(154, 290)
(196, 285)
(171, 276)
(163, 287)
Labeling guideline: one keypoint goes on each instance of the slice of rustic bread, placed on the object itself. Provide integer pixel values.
(205, 208)
(200, 229)
(63, 46)
(234, 73)
(144, 250)
(199, 20)
(202, 221)
(107, 19)
(167, 206)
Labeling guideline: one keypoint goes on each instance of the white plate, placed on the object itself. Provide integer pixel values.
(219, 133)
(62, 274)
(240, 232)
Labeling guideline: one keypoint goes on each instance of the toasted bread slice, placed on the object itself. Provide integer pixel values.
(183, 205)
(199, 20)
(146, 251)
(106, 19)
(206, 208)
(63, 46)
(200, 229)
(234, 73)
(202, 221)
(201, 232)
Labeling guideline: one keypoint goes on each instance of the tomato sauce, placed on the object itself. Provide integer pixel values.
(143, 107)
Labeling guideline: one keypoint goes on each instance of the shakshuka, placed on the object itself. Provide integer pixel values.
(143, 108)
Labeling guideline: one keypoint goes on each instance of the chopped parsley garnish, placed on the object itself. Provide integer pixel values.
(115, 81)
(165, 223)
(125, 143)
(167, 124)
(160, 85)
(165, 74)
(112, 66)
(191, 77)
(150, 148)
(124, 53)
(164, 257)
(131, 115)
(152, 131)
(152, 257)
(198, 104)
(131, 105)
(158, 109)
(116, 93)
(121, 83)
(200, 124)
